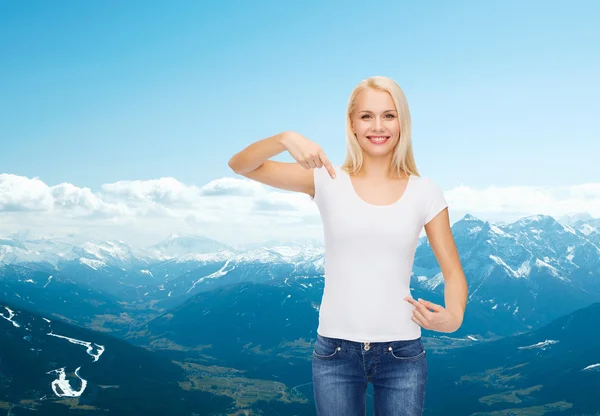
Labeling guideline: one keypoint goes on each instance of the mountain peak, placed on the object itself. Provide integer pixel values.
(469, 217)
(541, 220)
(537, 218)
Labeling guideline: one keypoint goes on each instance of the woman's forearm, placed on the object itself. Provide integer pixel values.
(258, 152)
(456, 292)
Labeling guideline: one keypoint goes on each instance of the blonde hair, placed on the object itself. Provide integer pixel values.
(403, 158)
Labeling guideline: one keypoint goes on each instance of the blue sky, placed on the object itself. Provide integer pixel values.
(501, 93)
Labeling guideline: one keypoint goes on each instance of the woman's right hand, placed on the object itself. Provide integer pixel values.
(306, 152)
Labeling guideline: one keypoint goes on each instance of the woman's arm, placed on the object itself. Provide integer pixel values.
(443, 246)
(448, 318)
(253, 163)
(257, 153)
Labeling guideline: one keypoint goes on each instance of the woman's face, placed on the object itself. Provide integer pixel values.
(371, 119)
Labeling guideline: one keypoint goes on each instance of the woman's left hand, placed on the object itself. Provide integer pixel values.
(440, 319)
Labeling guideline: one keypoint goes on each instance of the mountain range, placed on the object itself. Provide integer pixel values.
(233, 320)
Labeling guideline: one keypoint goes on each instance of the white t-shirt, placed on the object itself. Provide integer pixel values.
(369, 254)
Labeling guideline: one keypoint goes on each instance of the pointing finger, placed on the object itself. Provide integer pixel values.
(417, 305)
(431, 305)
(328, 165)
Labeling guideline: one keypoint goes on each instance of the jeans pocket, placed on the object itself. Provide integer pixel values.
(326, 348)
(407, 350)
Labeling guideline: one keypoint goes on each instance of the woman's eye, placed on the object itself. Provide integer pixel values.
(366, 115)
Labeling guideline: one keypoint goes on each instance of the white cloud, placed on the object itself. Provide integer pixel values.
(18, 193)
(233, 187)
(233, 209)
(512, 202)
(163, 191)
(150, 209)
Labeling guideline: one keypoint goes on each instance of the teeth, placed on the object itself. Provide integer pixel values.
(378, 139)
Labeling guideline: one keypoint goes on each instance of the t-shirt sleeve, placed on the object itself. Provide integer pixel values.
(436, 201)
(317, 181)
(321, 179)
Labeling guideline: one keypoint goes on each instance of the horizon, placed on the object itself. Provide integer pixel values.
(82, 239)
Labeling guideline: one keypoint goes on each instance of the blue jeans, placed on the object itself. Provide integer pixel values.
(342, 369)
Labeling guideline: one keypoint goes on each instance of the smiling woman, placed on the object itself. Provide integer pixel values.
(373, 208)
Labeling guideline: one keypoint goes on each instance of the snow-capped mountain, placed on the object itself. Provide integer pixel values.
(41, 251)
(54, 252)
(257, 265)
(186, 245)
(520, 275)
(590, 228)
(181, 265)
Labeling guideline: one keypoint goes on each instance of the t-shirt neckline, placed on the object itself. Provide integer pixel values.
(393, 204)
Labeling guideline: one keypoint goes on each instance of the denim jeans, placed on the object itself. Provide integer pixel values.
(342, 369)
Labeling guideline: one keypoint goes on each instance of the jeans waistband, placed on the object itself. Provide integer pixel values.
(372, 345)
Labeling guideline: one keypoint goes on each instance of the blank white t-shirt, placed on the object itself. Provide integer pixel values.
(369, 254)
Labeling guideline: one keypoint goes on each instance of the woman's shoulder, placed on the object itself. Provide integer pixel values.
(424, 180)
(426, 184)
